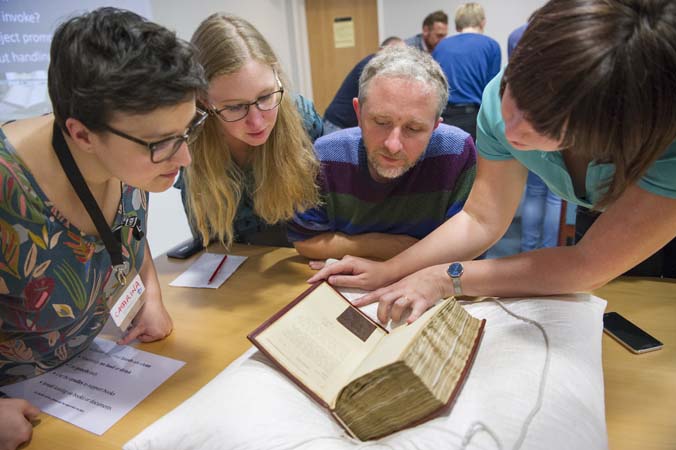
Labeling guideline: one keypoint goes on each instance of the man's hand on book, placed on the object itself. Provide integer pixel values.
(354, 272)
(411, 296)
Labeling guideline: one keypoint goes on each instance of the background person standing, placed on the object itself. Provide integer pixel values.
(434, 29)
(470, 60)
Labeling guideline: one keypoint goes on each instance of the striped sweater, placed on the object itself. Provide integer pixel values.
(416, 203)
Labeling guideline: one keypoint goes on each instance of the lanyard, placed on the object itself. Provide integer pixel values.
(113, 245)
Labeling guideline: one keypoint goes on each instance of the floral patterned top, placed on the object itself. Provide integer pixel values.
(55, 282)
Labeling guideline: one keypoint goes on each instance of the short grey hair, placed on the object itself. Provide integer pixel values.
(409, 63)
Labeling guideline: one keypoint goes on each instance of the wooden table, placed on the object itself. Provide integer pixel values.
(210, 328)
(641, 389)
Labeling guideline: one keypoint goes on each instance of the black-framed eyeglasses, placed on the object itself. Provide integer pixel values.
(233, 113)
(166, 148)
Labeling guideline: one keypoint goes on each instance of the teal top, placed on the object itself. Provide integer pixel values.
(55, 281)
(660, 178)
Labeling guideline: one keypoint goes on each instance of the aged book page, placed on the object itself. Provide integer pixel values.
(311, 343)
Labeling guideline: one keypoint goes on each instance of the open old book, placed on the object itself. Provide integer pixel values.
(373, 381)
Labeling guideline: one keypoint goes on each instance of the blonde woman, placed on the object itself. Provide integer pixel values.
(253, 166)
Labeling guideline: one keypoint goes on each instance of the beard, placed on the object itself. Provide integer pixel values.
(389, 173)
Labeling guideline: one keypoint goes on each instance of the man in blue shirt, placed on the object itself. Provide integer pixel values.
(470, 60)
(513, 38)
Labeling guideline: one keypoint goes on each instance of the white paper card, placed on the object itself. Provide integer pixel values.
(126, 307)
(98, 387)
(197, 276)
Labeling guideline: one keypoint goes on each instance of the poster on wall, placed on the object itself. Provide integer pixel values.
(26, 29)
(343, 32)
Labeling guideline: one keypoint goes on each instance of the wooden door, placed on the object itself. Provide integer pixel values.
(340, 34)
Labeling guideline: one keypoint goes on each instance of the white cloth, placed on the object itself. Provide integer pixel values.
(536, 383)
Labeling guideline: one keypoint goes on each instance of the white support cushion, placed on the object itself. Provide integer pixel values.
(536, 383)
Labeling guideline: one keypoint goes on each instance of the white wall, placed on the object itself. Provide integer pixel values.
(404, 18)
(282, 22)
(271, 17)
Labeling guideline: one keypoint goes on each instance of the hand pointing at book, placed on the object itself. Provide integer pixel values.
(411, 296)
(354, 272)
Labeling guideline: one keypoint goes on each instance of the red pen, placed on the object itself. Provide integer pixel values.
(218, 269)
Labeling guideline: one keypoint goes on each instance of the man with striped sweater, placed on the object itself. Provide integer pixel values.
(396, 177)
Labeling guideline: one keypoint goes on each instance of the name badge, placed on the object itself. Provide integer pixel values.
(125, 308)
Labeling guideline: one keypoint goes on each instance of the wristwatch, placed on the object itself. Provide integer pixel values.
(455, 271)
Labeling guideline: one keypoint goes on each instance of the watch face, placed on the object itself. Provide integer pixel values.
(455, 270)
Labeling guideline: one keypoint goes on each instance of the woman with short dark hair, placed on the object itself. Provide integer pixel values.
(74, 192)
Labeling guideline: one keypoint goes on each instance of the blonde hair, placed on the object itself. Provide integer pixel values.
(469, 15)
(284, 167)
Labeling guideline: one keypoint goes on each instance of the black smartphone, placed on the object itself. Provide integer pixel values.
(626, 333)
(186, 248)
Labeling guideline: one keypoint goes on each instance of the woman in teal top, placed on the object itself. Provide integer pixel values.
(588, 102)
(123, 94)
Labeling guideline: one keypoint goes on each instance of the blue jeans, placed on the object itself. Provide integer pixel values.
(540, 215)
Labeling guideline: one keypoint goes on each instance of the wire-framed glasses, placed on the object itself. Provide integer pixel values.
(164, 149)
(233, 113)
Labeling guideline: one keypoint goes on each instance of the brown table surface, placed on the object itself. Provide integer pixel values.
(210, 328)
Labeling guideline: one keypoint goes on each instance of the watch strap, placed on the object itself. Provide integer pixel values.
(457, 286)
